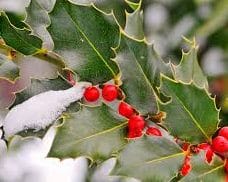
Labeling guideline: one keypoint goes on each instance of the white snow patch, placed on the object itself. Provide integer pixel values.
(41, 110)
(26, 161)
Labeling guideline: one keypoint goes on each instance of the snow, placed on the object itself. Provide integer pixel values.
(41, 110)
(26, 161)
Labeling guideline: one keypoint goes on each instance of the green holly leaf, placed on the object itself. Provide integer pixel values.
(102, 173)
(134, 24)
(189, 70)
(39, 86)
(93, 131)
(117, 7)
(38, 20)
(150, 158)
(140, 68)
(19, 39)
(202, 171)
(8, 69)
(83, 36)
(191, 112)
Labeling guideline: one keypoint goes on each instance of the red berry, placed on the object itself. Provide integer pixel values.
(110, 92)
(91, 94)
(136, 122)
(153, 131)
(136, 125)
(220, 144)
(125, 110)
(209, 155)
(208, 151)
(186, 168)
(133, 133)
(223, 132)
(203, 146)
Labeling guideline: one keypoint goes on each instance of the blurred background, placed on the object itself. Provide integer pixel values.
(165, 22)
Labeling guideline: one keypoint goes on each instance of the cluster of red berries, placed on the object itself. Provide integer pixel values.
(136, 123)
(219, 145)
(186, 167)
(220, 142)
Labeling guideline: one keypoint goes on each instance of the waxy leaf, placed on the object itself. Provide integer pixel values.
(150, 158)
(19, 39)
(37, 18)
(140, 68)
(191, 112)
(134, 24)
(8, 69)
(83, 36)
(189, 70)
(117, 7)
(202, 171)
(92, 131)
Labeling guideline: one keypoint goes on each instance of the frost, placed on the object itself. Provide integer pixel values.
(41, 110)
(26, 160)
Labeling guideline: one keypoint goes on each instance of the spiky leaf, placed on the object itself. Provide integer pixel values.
(118, 7)
(189, 70)
(134, 24)
(92, 131)
(85, 40)
(191, 112)
(202, 171)
(150, 159)
(19, 39)
(140, 68)
(37, 18)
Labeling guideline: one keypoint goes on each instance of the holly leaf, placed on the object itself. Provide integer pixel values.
(19, 39)
(140, 68)
(39, 86)
(191, 112)
(85, 40)
(93, 131)
(8, 69)
(38, 20)
(134, 24)
(117, 7)
(202, 171)
(150, 159)
(189, 70)
(102, 173)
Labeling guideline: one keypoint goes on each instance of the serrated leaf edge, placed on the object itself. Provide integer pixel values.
(162, 76)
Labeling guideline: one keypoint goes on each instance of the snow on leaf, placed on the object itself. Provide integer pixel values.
(41, 110)
(26, 158)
